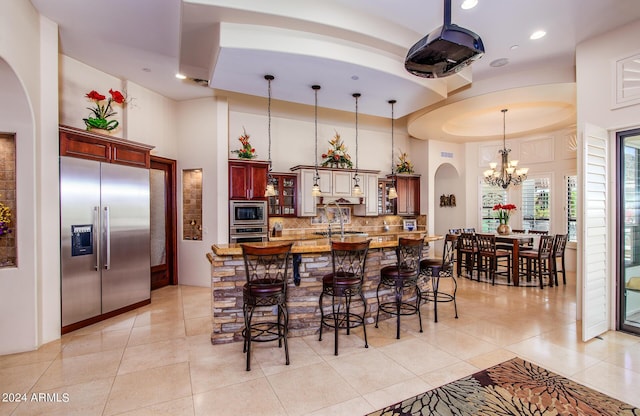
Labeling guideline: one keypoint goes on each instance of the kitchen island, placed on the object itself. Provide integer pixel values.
(311, 260)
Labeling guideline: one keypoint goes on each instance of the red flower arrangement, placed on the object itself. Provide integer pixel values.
(247, 151)
(504, 211)
(103, 111)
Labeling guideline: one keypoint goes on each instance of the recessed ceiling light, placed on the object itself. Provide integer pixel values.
(514, 47)
(355, 77)
(146, 69)
(469, 4)
(499, 62)
(537, 34)
(181, 76)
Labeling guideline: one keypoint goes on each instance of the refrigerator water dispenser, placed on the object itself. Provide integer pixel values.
(81, 240)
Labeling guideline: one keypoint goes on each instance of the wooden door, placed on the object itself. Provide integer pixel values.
(164, 266)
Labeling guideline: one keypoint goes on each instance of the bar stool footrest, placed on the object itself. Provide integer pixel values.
(392, 308)
(266, 331)
(442, 297)
(355, 320)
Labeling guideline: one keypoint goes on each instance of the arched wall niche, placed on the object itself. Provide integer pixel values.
(449, 202)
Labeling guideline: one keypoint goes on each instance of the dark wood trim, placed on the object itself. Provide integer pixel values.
(102, 317)
(171, 210)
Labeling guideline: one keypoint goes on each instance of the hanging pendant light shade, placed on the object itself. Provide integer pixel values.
(356, 180)
(270, 190)
(393, 193)
(315, 190)
(509, 173)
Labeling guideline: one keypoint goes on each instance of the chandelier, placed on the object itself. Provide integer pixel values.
(509, 172)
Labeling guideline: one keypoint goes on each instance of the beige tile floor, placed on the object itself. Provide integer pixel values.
(158, 360)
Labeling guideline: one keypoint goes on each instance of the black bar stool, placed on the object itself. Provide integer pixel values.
(266, 270)
(400, 277)
(437, 269)
(343, 284)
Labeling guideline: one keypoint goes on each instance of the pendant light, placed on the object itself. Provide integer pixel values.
(393, 194)
(509, 173)
(356, 180)
(315, 190)
(270, 191)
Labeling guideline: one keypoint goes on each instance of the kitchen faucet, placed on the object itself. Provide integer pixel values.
(341, 217)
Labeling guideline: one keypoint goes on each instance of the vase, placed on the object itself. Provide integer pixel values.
(504, 229)
(100, 131)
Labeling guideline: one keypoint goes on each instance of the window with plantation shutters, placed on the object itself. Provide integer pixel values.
(491, 196)
(572, 207)
(535, 205)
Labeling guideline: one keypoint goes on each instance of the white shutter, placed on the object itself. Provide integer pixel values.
(595, 235)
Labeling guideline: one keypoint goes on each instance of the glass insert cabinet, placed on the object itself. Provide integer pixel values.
(283, 204)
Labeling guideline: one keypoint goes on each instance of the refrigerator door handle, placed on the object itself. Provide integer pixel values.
(96, 240)
(107, 238)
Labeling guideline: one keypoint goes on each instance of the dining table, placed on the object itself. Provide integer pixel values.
(516, 241)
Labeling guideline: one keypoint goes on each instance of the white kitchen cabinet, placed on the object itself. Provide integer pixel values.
(335, 184)
(342, 183)
(369, 185)
(307, 202)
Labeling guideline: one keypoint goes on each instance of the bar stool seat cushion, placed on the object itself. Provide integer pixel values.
(263, 287)
(341, 280)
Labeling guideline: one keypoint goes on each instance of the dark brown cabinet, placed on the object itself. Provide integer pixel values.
(87, 145)
(386, 206)
(283, 204)
(408, 188)
(247, 180)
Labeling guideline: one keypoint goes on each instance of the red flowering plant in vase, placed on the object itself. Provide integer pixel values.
(504, 212)
(5, 219)
(246, 151)
(102, 111)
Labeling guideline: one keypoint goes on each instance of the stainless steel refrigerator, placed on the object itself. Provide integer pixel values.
(104, 238)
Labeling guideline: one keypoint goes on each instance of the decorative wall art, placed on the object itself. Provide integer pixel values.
(448, 200)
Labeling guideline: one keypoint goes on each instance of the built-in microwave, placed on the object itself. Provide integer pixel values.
(243, 213)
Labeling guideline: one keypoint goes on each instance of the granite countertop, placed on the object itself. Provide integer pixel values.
(323, 245)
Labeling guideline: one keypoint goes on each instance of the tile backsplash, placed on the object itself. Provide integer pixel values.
(303, 225)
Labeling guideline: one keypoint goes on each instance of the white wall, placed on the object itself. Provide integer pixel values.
(198, 132)
(293, 134)
(595, 60)
(29, 293)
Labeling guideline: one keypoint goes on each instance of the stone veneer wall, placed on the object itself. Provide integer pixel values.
(228, 277)
(192, 204)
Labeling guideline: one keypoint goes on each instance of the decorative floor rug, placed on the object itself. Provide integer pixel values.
(515, 387)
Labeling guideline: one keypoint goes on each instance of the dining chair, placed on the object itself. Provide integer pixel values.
(559, 246)
(344, 284)
(266, 287)
(539, 262)
(455, 231)
(436, 269)
(402, 279)
(491, 257)
(539, 232)
(468, 254)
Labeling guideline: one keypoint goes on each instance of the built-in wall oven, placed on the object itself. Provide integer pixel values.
(248, 221)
